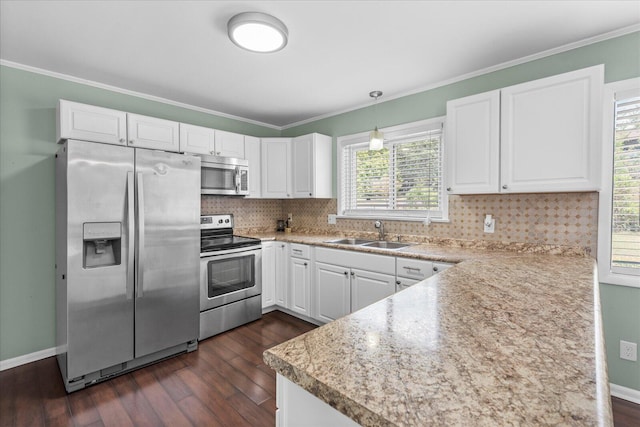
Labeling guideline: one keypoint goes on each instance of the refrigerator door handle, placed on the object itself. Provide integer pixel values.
(140, 266)
(130, 236)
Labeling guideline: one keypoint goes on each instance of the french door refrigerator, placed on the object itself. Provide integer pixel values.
(127, 258)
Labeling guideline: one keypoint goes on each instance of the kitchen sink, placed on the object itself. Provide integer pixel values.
(381, 244)
(350, 241)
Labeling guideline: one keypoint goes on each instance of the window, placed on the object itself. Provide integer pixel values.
(619, 213)
(402, 181)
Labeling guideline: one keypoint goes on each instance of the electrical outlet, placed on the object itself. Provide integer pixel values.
(331, 219)
(290, 217)
(628, 351)
(489, 224)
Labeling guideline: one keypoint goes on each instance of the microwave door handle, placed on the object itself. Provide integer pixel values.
(237, 180)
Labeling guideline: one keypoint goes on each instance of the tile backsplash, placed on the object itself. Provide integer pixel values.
(564, 219)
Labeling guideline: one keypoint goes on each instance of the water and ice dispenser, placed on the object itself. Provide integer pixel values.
(102, 244)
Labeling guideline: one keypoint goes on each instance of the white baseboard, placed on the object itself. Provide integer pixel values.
(27, 358)
(625, 393)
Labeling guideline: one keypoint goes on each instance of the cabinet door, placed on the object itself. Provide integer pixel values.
(368, 287)
(403, 283)
(252, 154)
(276, 168)
(300, 285)
(472, 151)
(268, 274)
(282, 262)
(90, 123)
(229, 144)
(303, 166)
(153, 133)
(196, 139)
(333, 292)
(439, 267)
(551, 134)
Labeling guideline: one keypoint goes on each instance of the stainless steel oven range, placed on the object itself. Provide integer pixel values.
(230, 276)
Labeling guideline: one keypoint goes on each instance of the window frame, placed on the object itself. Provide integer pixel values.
(394, 132)
(605, 275)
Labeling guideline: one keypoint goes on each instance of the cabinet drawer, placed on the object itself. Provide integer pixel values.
(351, 259)
(300, 251)
(413, 268)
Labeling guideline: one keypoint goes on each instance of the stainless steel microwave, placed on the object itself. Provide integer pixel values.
(224, 176)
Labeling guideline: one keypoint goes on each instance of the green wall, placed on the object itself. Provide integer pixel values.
(27, 132)
(27, 194)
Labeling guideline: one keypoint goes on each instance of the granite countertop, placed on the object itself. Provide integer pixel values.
(502, 338)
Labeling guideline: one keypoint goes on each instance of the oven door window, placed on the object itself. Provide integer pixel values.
(230, 274)
(218, 178)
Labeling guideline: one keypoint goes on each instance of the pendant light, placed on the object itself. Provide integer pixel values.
(258, 32)
(376, 138)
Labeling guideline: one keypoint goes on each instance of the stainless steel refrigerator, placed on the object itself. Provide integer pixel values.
(127, 258)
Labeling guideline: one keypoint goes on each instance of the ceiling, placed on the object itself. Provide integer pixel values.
(338, 51)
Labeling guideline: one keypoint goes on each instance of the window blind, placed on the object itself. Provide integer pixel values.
(625, 224)
(403, 178)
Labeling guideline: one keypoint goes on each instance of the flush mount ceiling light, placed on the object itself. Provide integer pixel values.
(257, 32)
(376, 138)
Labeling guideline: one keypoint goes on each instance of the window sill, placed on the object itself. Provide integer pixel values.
(394, 218)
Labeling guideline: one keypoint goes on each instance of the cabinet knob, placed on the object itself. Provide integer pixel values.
(504, 187)
(122, 141)
(310, 194)
(288, 195)
(282, 246)
(435, 268)
(218, 153)
(131, 141)
(448, 188)
(305, 264)
(346, 274)
(398, 282)
(353, 274)
(212, 152)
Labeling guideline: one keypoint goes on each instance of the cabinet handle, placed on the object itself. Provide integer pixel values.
(504, 187)
(411, 268)
(448, 188)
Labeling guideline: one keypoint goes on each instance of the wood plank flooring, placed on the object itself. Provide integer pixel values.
(224, 383)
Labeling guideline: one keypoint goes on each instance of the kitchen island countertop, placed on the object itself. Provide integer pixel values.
(500, 339)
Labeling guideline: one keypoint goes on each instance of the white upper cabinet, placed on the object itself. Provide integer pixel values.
(229, 144)
(549, 137)
(276, 168)
(90, 123)
(252, 154)
(473, 144)
(197, 139)
(153, 133)
(311, 156)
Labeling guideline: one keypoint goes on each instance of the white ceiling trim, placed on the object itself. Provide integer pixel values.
(524, 59)
(529, 58)
(131, 92)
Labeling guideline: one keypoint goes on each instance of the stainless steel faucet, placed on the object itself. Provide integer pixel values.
(380, 226)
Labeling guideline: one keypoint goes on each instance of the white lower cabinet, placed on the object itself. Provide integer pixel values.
(368, 287)
(281, 274)
(268, 274)
(300, 280)
(332, 292)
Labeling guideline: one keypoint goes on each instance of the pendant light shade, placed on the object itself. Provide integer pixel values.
(257, 32)
(376, 138)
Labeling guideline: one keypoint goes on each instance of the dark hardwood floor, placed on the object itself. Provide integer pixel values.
(224, 383)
